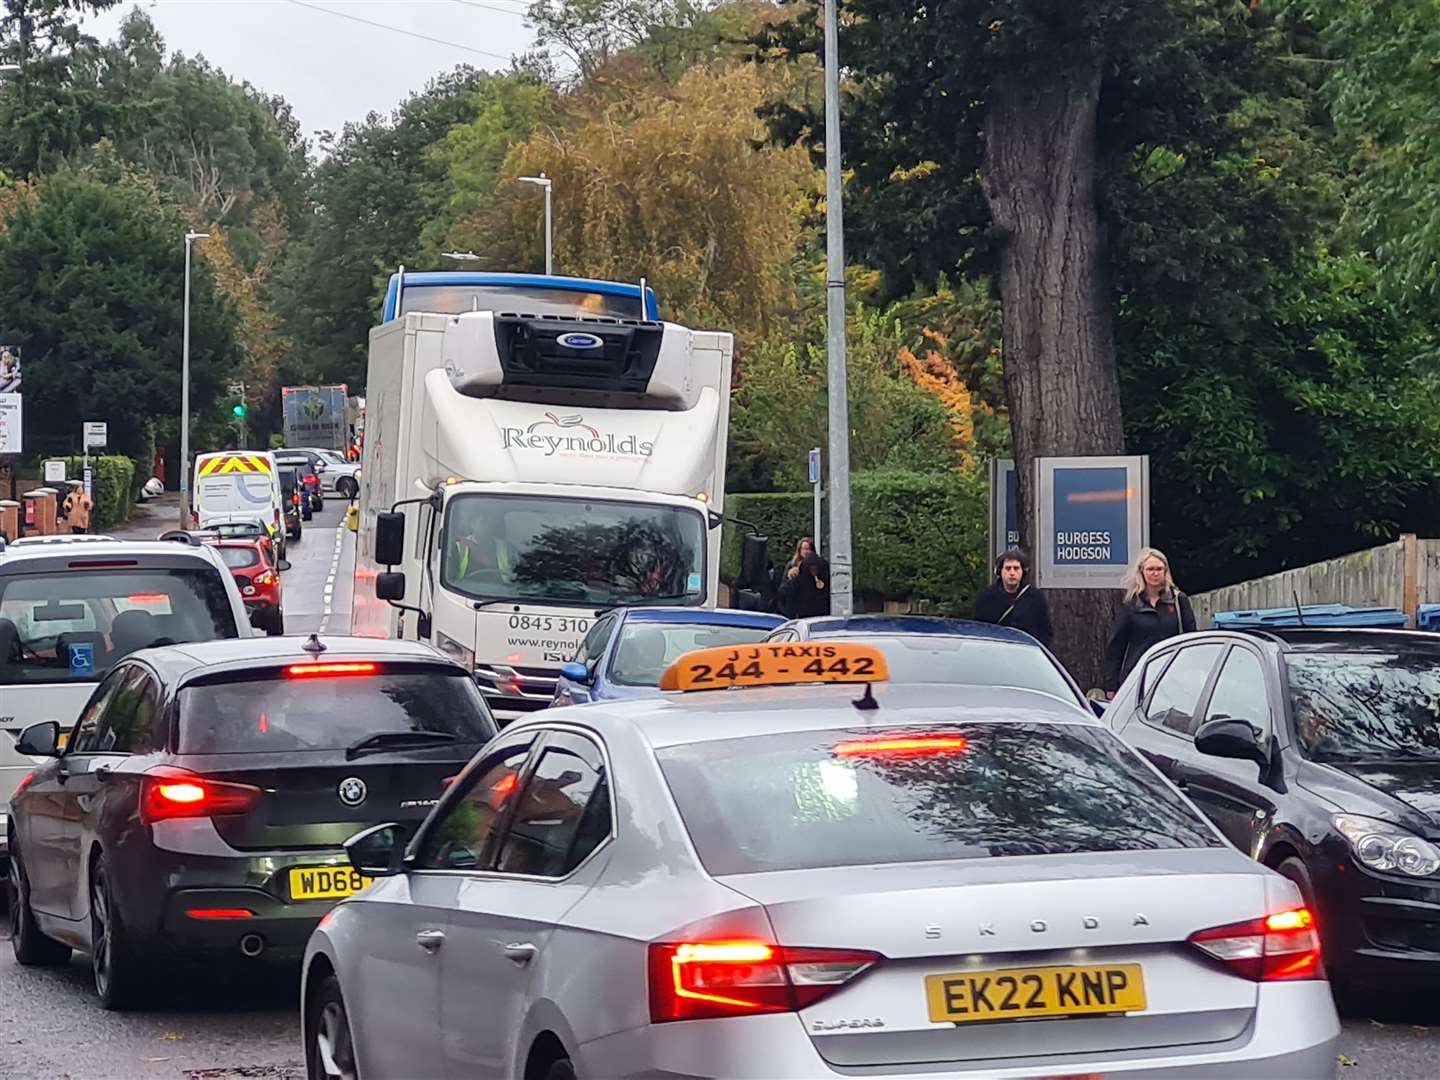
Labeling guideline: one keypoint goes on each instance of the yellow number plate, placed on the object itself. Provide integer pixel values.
(325, 882)
(1017, 993)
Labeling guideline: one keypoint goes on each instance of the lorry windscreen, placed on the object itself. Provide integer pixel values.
(458, 299)
(572, 551)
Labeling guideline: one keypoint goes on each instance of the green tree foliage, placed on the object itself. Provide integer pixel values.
(778, 411)
(91, 276)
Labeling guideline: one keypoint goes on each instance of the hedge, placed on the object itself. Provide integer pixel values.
(916, 536)
(112, 484)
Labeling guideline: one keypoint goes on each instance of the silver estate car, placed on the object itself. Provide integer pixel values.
(804, 881)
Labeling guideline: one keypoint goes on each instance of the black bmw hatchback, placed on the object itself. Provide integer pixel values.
(198, 809)
(1318, 753)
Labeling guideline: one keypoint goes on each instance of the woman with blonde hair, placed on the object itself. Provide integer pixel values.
(1152, 610)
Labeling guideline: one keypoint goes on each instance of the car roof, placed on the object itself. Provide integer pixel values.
(154, 552)
(838, 625)
(1344, 639)
(181, 663)
(704, 616)
(674, 719)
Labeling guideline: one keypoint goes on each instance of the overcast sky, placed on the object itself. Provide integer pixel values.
(330, 67)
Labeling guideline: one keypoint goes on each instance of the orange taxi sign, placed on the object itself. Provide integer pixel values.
(777, 663)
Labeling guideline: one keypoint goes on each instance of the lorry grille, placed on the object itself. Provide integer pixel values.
(516, 689)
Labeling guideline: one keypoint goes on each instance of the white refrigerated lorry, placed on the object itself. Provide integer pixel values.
(524, 473)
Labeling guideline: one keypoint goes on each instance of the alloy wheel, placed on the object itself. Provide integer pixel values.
(332, 1043)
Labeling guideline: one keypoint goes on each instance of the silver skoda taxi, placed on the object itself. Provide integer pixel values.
(814, 880)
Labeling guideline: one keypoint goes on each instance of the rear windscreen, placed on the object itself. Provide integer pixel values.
(74, 624)
(238, 558)
(862, 796)
(285, 713)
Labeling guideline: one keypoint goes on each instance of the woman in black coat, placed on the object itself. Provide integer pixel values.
(1153, 610)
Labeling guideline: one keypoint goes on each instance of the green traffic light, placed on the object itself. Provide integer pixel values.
(238, 410)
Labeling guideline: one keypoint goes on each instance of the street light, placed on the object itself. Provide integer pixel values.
(543, 181)
(190, 238)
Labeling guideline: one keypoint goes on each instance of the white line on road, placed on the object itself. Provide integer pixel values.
(330, 581)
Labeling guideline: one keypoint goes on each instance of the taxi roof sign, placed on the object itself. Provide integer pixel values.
(778, 663)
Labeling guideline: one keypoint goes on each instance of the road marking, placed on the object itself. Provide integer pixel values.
(330, 581)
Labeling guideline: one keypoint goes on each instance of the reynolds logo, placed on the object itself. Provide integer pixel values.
(572, 435)
(580, 341)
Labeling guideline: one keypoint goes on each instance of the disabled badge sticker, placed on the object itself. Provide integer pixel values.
(82, 658)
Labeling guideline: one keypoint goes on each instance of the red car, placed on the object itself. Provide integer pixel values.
(252, 564)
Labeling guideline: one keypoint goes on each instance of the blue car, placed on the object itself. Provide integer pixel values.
(628, 648)
(921, 649)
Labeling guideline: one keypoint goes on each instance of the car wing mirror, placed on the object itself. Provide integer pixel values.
(40, 740)
(379, 851)
(577, 673)
(1229, 737)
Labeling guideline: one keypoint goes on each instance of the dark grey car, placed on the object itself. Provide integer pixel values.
(201, 803)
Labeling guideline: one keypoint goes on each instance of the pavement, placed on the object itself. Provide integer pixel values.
(243, 1024)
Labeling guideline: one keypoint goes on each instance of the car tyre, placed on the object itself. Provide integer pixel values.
(113, 964)
(31, 947)
(329, 1047)
(560, 1070)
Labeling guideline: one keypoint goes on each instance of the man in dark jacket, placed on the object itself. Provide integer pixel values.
(1012, 601)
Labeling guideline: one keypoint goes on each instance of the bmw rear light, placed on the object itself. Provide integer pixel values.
(1277, 948)
(176, 793)
(706, 980)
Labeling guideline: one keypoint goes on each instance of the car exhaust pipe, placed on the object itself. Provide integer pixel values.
(252, 945)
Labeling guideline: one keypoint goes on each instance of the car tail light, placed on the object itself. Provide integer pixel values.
(266, 577)
(220, 913)
(1276, 948)
(307, 671)
(312, 479)
(702, 980)
(901, 746)
(175, 793)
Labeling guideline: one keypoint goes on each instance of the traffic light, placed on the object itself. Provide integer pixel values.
(239, 411)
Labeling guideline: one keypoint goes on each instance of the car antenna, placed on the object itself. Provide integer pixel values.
(313, 644)
(866, 703)
(1299, 613)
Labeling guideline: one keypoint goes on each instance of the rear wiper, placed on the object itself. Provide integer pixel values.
(386, 740)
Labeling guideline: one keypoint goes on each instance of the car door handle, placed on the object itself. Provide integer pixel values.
(522, 952)
(430, 940)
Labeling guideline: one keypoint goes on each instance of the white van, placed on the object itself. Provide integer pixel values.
(238, 484)
(68, 612)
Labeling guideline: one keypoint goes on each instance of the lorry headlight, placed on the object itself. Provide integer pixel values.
(457, 652)
(1383, 846)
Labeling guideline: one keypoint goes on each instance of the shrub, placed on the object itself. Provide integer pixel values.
(112, 486)
(917, 536)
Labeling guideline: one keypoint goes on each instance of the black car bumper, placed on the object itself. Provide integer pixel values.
(210, 920)
(1380, 932)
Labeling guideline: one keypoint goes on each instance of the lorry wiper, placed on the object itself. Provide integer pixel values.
(396, 740)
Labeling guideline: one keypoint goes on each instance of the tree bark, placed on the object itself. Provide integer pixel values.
(1038, 175)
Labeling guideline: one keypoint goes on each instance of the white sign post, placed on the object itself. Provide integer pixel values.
(815, 483)
(54, 472)
(96, 435)
(10, 441)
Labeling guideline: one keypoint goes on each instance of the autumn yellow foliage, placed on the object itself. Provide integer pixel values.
(935, 373)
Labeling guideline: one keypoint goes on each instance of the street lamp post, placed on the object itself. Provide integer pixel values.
(841, 568)
(543, 181)
(190, 238)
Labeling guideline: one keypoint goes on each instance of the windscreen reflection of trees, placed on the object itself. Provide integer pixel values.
(1350, 707)
(434, 703)
(1023, 790)
(633, 559)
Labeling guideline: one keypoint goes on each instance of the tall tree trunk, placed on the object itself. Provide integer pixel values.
(1039, 180)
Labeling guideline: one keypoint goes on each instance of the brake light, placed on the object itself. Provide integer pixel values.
(305, 671)
(220, 913)
(1279, 947)
(174, 793)
(312, 479)
(708, 980)
(265, 578)
(148, 598)
(901, 746)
